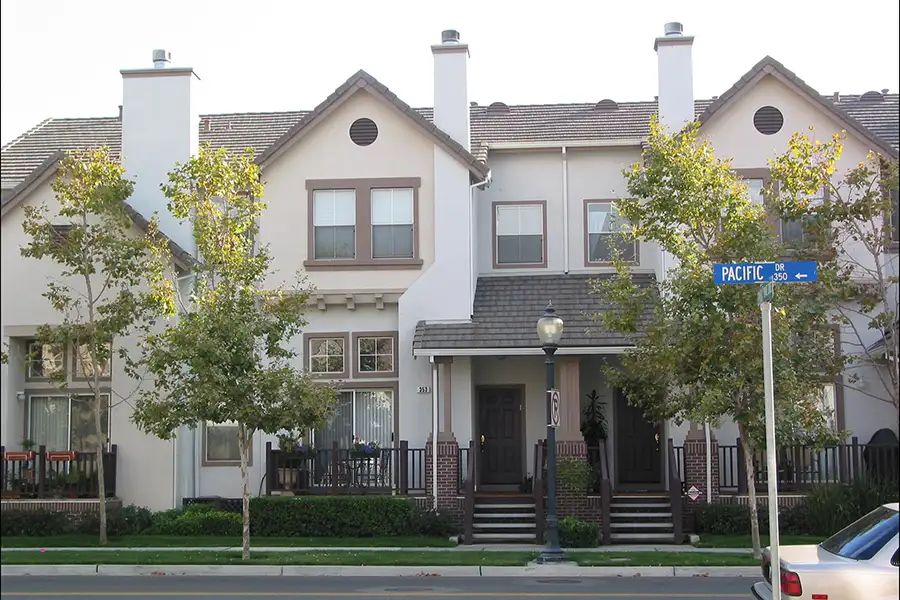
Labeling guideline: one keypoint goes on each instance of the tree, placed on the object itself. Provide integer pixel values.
(227, 358)
(697, 351)
(112, 278)
(850, 233)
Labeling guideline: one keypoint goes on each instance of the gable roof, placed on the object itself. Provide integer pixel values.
(48, 169)
(493, 124)
(362, 80)
(769, 66)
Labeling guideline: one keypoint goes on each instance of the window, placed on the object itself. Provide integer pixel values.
(755, 188)
(520, 236)
(866, 537)
(605, 229)
(326, 355)
(828, 407)
(334, 221)
(64, 422)
(392, 223)
(793, 230)
(376, 354)
(368, 414)
(83, 368)
(221, 444)
(44, 360)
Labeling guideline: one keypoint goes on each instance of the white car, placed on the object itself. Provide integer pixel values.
(859, 562)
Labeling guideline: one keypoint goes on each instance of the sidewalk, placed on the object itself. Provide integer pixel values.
(460, 548)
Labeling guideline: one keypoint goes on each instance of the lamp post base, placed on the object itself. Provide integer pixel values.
(550, 556)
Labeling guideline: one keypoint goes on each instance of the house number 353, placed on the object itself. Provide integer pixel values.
(424, 389)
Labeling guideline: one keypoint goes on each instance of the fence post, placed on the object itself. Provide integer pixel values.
(403, 466)
(109, 472)
(741, 469)
(3, 468)
(334, 466)
(854, 457)
(270, 470)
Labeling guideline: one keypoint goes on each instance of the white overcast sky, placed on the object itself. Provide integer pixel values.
(61, 58)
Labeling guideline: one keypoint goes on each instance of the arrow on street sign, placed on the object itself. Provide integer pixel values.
(800, 271)
(555, 417)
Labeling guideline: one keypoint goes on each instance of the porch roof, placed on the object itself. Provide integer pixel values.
(507, 308)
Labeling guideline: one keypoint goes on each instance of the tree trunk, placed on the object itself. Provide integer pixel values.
(245, 493)
(751, 492)
(101, 446)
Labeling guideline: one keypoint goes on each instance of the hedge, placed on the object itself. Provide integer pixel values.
(327, 516)
(575, 533)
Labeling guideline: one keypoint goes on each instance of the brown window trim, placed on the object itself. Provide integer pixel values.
(587, 237)
(32, 379)
(357, 373)
(204, 462)
(344, 335)
(374, 386)
(494, 206)
(363, 229)
(55, 391)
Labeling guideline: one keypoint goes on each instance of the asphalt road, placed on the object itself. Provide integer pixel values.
(370, 588)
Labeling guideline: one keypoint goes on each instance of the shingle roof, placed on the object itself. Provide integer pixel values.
(492, 124)
(507, 308)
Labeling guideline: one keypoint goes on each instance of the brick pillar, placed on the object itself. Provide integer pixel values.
(448, 499)
(571, 457)
(695, 469)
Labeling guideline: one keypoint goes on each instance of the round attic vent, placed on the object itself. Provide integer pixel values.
(363, 132)
(498, 108)
(872, 97)
(768, 120)
(606, 104)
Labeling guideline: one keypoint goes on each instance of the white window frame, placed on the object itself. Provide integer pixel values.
(757, 197)
(327, 339)
(518, 208)
(56, 394)
(393, 222)
(322, 194)
(613, 215)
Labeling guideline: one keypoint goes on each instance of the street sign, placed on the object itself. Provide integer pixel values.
(693, 493)
(554, 408)
(765, 293)
(801, 271)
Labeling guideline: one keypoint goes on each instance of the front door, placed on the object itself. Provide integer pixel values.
(638, 447)
(500, 436)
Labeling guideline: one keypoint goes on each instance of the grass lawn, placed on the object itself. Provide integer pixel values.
(161, 541)
(369, 558)
(743, 541)
(398, 558)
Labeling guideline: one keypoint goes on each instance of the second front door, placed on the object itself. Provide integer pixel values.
(500, 429)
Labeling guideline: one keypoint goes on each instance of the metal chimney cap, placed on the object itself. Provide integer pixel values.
(673, 28)
(449, 36)
(161, 58)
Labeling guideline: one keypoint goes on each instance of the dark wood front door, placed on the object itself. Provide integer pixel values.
(500, 428)
(638, 447)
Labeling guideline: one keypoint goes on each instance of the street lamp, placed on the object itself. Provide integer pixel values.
(549, 330)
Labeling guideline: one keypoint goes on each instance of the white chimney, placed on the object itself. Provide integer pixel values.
(676, 77)
(451, 93)
(160, 126)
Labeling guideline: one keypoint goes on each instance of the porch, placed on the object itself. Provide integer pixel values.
(43, 475)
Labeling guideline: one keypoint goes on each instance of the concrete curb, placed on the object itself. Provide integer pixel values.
(338, 571)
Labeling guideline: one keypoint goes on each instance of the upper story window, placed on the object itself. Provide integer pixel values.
(755, 187)
(44, 360)
(605, 228)
(375, 354)
(795, 231)
(392, 223)
(334, 218)
(83, 366)
(520, 234)
(360, 224)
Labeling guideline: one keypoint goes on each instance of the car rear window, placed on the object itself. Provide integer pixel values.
(866, 537)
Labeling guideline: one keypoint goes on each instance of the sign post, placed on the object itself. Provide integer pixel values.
(555, 416)
(767, 274)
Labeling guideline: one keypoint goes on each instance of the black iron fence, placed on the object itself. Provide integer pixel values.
(43, 474)
(336, 470)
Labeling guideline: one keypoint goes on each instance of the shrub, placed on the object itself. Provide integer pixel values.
(335, 516)
(128, 520)
(726, 519)
(39, 523)
(575, 533)
(434, 524)
(192, 522)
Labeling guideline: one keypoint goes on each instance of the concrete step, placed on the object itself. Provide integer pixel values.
(503, 525)
(633, 525)
(503, 507)
(614, 505)
(640, 515)
(505, 515)
(502, 537)
(642, 538)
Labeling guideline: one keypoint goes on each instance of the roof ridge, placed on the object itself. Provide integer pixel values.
(21, 137)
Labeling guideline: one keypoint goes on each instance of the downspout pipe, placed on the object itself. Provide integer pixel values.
(565, 209)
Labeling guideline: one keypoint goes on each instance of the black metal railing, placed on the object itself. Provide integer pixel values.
(43, 474)
(336, 470)
(802, 467)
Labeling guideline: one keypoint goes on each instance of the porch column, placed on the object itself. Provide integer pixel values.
(444, 380)
(447, 448)
(694, 467)
(569, 429)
